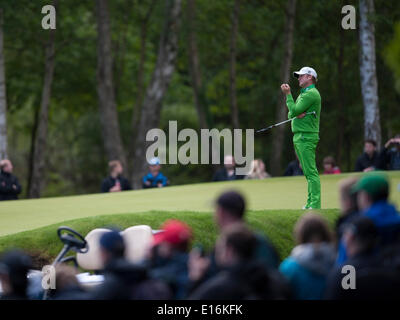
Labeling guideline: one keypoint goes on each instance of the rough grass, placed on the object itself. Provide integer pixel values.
(43, 244)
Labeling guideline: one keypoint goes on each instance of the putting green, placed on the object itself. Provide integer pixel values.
(268, 194)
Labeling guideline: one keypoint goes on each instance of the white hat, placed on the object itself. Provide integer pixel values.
(154, 161)
(305, 70)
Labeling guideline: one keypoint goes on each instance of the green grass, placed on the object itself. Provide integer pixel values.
(276, 224)
(273, 209)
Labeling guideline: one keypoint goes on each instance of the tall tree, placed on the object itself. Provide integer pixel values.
(232, 64)
(37, 166)
(105, 86)
(3, 97)
(369, 82)
(278, 135)
(137, 108)
(161, 77)
(194, 66)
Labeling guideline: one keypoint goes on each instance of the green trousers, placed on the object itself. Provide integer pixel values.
(305, 145)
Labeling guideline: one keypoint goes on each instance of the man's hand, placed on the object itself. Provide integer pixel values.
(116, 188)
(197, 265)
(369, 169)
(301, 116)
(285, 88)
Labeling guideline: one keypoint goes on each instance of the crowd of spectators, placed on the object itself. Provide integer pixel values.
(244, 263)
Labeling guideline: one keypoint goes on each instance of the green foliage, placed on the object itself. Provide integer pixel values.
(75, 157)
(277, 225)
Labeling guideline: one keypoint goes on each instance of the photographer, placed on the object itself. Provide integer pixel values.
(9, 185)
(390, 154)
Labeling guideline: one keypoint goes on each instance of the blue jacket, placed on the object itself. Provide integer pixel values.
(307, 270)
(160, 178)
(387, 221)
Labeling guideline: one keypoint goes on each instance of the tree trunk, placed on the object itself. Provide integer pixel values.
(194, 66)
(162, 74)
(137, 108)
(369, 82)
(37, 177)
(278, 135)
(342, 120)
(3, 97)
(232, 65)
(105, 87)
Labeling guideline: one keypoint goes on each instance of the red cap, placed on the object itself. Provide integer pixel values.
(173, 232)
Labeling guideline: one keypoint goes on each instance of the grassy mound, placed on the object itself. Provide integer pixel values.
(43, 244)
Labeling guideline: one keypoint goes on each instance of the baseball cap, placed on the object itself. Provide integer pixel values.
(173, 232)
(154, 161)
(305, 70)
(376, 184)
(112, 241)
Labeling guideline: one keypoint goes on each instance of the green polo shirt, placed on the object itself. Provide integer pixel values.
(309, 100)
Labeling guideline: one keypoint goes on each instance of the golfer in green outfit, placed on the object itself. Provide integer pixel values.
(305, 129)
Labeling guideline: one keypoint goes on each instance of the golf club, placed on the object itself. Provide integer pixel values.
(288, 120)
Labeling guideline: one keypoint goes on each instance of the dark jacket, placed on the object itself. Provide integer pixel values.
(110, 182)
(364, 161)
(361, 262)
(247, 281)
(390, 159)
(172, 271)
(293, 169)
(120, 279)
(222, 175)
(9, 186)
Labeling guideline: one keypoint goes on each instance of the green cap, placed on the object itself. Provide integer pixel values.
(375, 184)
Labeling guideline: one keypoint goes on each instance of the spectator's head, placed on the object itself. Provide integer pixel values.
(312, 228)
(369, 147)
(257, 167)
(360, 236)
(229, 162)
(371, 188)
(348, 198)
(6, 166)
(115, 168)
(236, 244)
(154, 166)
(329, 163)
(14, 267)
(112, 246)
(230, 208)
(175, 236)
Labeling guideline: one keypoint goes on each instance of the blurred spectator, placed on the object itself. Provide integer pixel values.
(372, 200)
(257, 170)
(240, 278)
(115, 182)
(229, 211)
(390, 157)
(120, 276)
(228, 171)
(308, 265)
(154, 179)
(9, 185)
(348, 208)
(360, 238)
(67, 285)
(369, 160)
(14, 267)
(169, 256)
(330, 166)
(294, 168)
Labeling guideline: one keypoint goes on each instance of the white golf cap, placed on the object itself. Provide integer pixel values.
(305, 70)
(154, 161)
